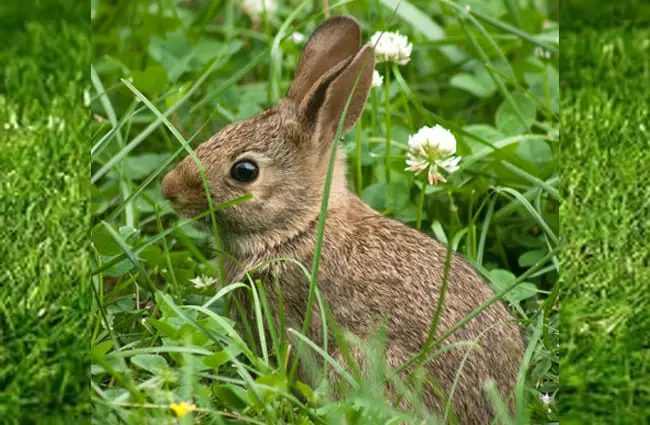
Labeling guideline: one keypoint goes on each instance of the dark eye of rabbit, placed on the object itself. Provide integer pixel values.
(244, 171)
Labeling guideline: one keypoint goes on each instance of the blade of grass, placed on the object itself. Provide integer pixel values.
(110, 112)
(512, 206)
(520, 387)
(513, 9)
(222, 293)
(158, 350)
(454, 385)
(128, 117)
(206, 188)
(257, 308)
(496, 297)
(268, 316)
(167, 232)
(516, 31)
(533, 212)
(160, 169)
(131, 256)
(436, 118)
(230, 81)
(321, 221)
(495, 77)
(463, 13)
(127, 381)
(495, 146)
(441, 302)
(427, 26)
(170, 266)
(275, 66)
(484, 231)
(555, 194)
(217, 62)
(499, 406)
(345, 375)
(234, 338)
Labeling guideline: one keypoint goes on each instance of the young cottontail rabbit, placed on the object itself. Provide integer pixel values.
(373, 270)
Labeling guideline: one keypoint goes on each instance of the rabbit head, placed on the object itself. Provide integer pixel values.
(281, 155)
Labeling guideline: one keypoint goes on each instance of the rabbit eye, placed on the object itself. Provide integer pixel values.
(244, 171)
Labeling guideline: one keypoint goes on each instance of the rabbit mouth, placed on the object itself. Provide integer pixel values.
(205, 223)
(188, 212)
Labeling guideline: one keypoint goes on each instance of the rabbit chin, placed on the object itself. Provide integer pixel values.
(204, 223)
(241, 241)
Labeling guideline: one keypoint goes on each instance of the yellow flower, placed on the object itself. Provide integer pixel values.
(183, 408)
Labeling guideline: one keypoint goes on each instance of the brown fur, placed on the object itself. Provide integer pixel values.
(372, 268)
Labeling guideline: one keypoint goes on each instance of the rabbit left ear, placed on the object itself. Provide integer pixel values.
(336, 40)
(326, 101)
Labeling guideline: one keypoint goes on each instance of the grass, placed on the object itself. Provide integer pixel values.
(160, 337)
(44, 215)
(151, 349)
(605, 225)
(166, 78)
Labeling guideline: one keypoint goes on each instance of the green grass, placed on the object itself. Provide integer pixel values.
(44, 294)
(158, 339)
(44, 193)
(580, 14)
(605, 363)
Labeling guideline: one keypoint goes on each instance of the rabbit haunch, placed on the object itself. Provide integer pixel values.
(373, 270)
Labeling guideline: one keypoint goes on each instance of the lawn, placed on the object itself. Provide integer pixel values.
(605, 326)
(44, 214)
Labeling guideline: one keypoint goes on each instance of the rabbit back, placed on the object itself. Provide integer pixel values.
(375, 271)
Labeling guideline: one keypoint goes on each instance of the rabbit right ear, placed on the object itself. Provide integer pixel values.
(337, 39)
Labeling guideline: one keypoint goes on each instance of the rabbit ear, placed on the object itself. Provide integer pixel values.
(337, 39)
(325, 102)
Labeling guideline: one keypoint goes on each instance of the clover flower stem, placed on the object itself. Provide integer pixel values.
(387, 118)
(547, 92)
(375, 108)
(418, 222)
(326, 8)
(267, 23)
(405, 98)
(359, 171)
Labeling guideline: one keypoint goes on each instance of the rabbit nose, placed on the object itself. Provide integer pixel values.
(182, 184)
(170, 186)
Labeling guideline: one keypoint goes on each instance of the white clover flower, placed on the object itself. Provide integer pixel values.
(255, 8)
(546, 399)
(391, 47)
(377, 79)
(297, 38)
(203, 281)
(433, 148)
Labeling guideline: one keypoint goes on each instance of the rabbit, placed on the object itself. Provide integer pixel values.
(373, 269)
